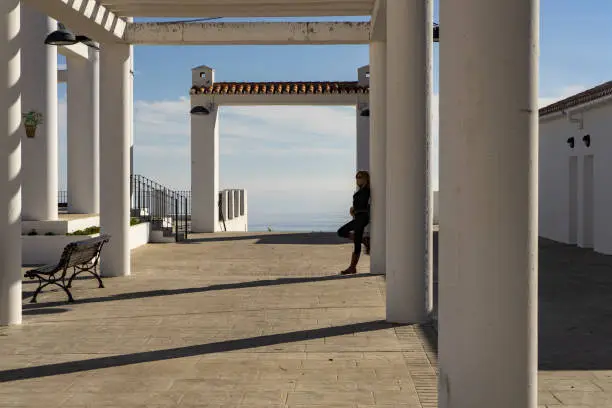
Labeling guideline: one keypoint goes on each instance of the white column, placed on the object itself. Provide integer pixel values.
(378, 155)
(363, 138)
(39, 93)
(205, 172)
(429, 208)
(131, 105)
(488, 204)
(408, 31)
(115, 157)
(83, 142)
(10, 159)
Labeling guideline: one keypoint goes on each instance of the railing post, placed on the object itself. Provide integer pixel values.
(185, 216)
(176, 222)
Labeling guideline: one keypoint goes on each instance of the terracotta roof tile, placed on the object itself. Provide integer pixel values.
(262, 88)
(589, 95)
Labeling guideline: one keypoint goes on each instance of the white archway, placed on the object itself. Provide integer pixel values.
(206, 98)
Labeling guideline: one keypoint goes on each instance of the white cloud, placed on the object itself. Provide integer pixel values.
(257, 146)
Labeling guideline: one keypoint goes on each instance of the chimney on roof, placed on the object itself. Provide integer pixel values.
(363, 75)
(202, 76)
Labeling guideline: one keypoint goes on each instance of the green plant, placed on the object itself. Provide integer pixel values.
(33, 118)
(33, 232)
(86, 231)
(269, 229)
(134, 221)
(49, 233)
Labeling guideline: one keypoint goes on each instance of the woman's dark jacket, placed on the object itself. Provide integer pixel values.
(361, 200)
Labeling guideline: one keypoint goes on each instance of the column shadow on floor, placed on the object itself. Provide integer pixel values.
(189, 351)
(182, 291)
(575, 308)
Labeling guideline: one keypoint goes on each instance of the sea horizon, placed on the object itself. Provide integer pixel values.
(298, 222)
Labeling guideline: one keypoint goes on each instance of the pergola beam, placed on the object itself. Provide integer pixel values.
(75, 51)
(240, 8)
(86, 17)
(259, 33)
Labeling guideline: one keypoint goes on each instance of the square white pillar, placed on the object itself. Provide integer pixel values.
(378, 155)
(409, 29)
(131, 107)
(488, 297)
(83, 141)
(205, 172)
(115, 157)
(363, 138)
(39, 94)
(10, 163)
(230, 205)
(225, 205)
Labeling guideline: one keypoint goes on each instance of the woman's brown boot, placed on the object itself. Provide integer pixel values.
(352, 269)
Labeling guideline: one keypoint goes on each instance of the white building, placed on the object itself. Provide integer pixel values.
(575, 169)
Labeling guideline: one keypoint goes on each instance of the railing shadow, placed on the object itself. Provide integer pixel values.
(188, 351)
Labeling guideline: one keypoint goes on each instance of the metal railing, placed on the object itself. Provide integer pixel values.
(165, 209)
(62, 198)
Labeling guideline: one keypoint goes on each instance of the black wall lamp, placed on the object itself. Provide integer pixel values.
(63, 36)
(571, 142)
(587, 140)
(201, 110)
(436, 32)
(365, 112)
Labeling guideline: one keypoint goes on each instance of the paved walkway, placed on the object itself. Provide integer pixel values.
(260, 320)
(255, 320)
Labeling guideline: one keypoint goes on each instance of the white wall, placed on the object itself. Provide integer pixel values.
(47, 249)
(139, 234)
(555, 217)
(234, 205)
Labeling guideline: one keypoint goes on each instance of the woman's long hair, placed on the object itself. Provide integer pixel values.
(365, 175)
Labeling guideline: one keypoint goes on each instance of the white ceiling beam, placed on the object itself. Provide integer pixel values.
(248, 33)
(74, 51)
(242, 8)
(86, 17)
(379, 21)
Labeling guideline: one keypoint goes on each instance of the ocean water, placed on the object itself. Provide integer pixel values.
(298, 222)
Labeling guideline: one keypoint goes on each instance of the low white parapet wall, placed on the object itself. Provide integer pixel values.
(47, 249)
(139, 235)
(60, 227)
(233, 215)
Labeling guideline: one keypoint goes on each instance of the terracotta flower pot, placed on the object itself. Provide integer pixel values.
(30, 130)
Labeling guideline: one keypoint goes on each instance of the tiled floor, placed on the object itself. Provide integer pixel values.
(251, 320)
(261, 320)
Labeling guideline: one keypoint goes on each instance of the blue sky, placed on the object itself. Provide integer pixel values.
(301, 160)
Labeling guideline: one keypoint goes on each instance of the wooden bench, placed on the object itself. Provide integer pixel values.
(81, 256)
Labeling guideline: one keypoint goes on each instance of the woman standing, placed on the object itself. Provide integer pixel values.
(360, 211)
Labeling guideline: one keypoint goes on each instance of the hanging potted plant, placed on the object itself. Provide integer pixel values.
(31, 120)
